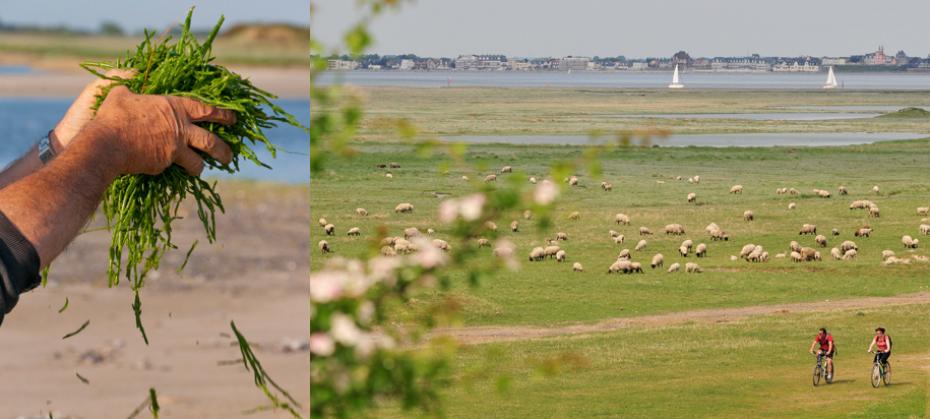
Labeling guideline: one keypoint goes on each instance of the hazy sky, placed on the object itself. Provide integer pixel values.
(640, 28)
(134, 15)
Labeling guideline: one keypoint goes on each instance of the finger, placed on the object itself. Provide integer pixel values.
(202, 139)
(201, 112)
(120, 73)
(190, 161)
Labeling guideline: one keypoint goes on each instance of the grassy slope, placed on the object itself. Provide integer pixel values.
(578, 111)
(549, 293)
(753, 368)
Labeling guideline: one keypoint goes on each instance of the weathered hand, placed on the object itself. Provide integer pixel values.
(80, 112)
(147, 133)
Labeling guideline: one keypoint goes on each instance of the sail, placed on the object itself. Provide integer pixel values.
(676, 84)
(831, 80)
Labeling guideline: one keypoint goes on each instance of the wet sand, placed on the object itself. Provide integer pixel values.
(256, 274)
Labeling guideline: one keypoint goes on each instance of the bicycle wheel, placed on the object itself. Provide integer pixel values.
(887, 377)
(876, 375)
(818, 371)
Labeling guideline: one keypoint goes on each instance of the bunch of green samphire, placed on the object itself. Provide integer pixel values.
(140, 208)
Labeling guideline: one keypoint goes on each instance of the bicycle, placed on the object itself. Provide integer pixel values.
(881, 372)
(820, 372)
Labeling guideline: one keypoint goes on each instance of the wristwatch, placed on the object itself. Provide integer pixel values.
(46, 152)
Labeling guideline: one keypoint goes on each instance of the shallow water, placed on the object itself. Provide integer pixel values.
(702, 140)
(629, 79)
(774, 116)
(15, 69)
(24, 121)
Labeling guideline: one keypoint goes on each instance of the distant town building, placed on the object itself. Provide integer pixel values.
(796, 67)
(519, 65)
(739, 65)
(480, 62)
(834, 61)
(574, 63)
(341, 65)
(406, 65)
(878, 57)
(639, 66)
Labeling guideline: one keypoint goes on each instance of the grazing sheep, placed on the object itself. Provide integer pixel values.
(874, 212)
(748, 215)
(514, 226)
(620, 266)
(430, 232)
(361, 212)
(442, 245)
(465, 178)
(909, 242)
(573, 181)
(624, 254)
(636, 267)
(645, 231)
(923, 211)
(755, 255)
(836, 253)
(533, 179)
(574, 215)
(701, 250)
(563, 236)
(576, 267)
(692, 197)
(560, 256)
(736, 189)
(863, 232)
(876, 190)
(675, 267)
(619, 239)
(389, 175)
(809, 254)
(822, 193)
(835, 232)
(404, 246)
(795, 257)
(324, 247)
(674, 229)
(482, 242)
(411, 232)
(537, 254)
(807, 229)
(490, 178)
(551, 251)
(622, 219)
(354, 231)
(821, 240)
(861, 204)
(683, 251)
(850, 254)
(711, 228)
(688, 243)
(614, 233)
(394, 165)
(403, 207)
(657, 261)
(924, 229)
(323, 222)
(693, 268)
(848, 244)
(887, 254)
(388, 241)
(506, 169)
(607, 186)
(747, 249)
(843, 191)
(781, 191)
(330, 230)
(640, 246)
(794, 246)
(793, 191)
(490, 225)
(527, 214)
(388, 251)
(720, 235)
(792, 205)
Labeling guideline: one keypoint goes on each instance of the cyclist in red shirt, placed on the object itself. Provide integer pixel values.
(882, 343)
(827, 348)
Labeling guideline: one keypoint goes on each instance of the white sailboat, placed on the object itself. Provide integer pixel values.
(831, 80)
(676, 84)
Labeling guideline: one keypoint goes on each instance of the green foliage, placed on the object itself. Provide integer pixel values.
(907, 113)
(262, 380)
(140, 208)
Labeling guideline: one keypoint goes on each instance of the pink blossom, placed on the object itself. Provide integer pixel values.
(321, 344)
(545, 193)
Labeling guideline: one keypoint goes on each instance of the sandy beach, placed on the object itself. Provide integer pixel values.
(255, 274)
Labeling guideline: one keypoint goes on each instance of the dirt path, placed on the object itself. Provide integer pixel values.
(488, 334)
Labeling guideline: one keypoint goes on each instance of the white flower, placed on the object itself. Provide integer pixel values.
(344, 330)
(471, 206)
(326, 286)
(448, 210)
(545, 193)
(321, 344)
(384, 269)
(428, 256)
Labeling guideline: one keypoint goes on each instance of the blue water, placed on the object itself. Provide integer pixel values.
(15, 69)
(629, 79)
(24, 121)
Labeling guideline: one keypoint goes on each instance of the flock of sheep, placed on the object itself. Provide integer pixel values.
(624, 263)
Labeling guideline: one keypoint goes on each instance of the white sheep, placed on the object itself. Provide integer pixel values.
(573, 181)
(909, 242)
(792, 205)
(354, 231)
(657, 261)
(748, 215)
(701, 250)
(533, 179)
(683, 251)
(324, 247)
(674, 229)
(887, 254)
(575, 215)
(876, 190)
(560, 256)
(850, 254)
(323, 222)
(388, 251)
(490, 178)
(821, 240)
(874, 212)
(482, 242)
(711, 228)
(442, 245)
(624, 254)
(692, 197)
(794, 246)
(808, 229)
(848, 244)
(746, 250)
(614, 233)
(924, 229)
(576, 267)
(465, 178)
(330, 230)
(403, 207)
(411, 232)
(506, 169)
(551, 251)
(675, 267)
(693, 268)
(514, 226)
(836, 253)
(843, 191)
(527, 215)
(736, 189)
(490, 225)
(607, 186)
(361, 212)
(923, 211)
(622, 219)
(619, 239)
(864, 231)
(636, 267)
(640, 246)
(645, 231)
(430, 232)
(537, 254)
(563, 236)
(795, 256)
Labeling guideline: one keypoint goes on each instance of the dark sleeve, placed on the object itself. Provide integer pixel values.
(19, 266)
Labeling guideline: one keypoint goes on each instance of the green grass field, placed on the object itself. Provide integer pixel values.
(752, 367)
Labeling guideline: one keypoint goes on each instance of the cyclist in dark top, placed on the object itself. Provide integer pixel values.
(882, 344)
(48, 194)
(827, 348)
